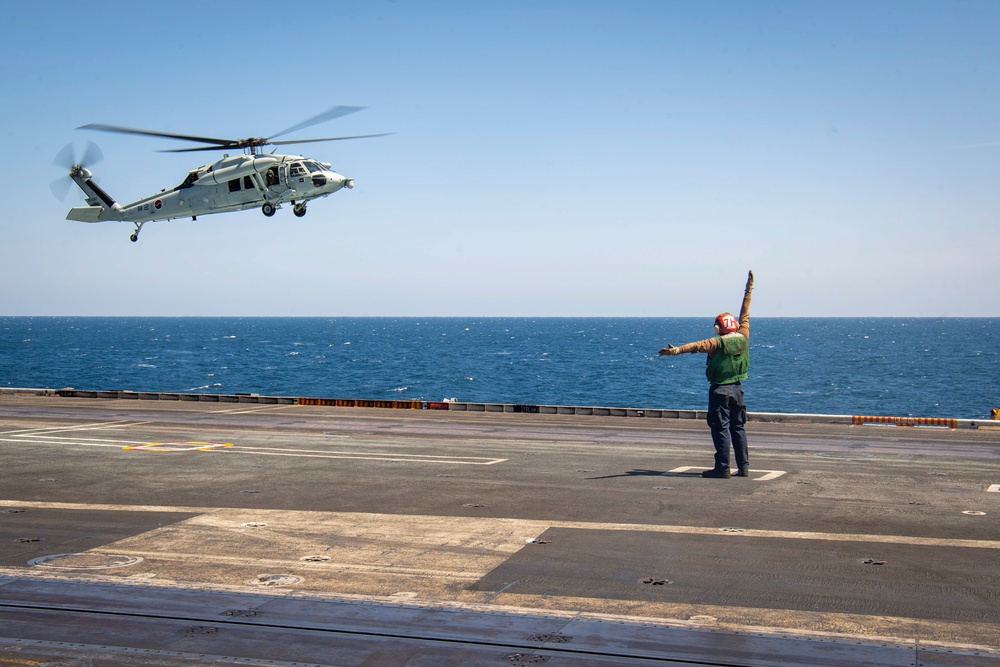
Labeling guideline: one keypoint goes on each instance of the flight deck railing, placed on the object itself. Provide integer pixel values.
(453, 405)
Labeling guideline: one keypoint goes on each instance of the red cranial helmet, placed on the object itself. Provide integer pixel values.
(726, 323)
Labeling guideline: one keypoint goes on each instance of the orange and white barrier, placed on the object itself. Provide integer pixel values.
(361, 403)
(906, 421)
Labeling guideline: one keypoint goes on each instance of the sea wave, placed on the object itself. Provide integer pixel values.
(890, 366)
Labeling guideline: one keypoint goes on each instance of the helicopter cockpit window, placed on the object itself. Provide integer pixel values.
(296, 170)
(313, 167)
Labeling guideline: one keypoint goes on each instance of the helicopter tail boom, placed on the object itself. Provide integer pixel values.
(101, 206)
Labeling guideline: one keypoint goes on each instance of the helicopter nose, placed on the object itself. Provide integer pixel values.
(335, 181)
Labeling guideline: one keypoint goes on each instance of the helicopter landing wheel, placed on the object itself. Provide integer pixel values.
(267, 209)
(299, 210)
(134, 237)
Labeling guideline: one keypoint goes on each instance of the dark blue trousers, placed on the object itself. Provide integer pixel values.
(727, 413)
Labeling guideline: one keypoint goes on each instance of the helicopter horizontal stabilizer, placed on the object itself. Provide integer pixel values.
(85, 213)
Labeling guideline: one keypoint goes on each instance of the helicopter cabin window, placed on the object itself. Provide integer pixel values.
(248, 183)
(296, 170)
(234, 185)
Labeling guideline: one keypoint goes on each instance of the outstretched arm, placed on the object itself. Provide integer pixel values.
(708, 345)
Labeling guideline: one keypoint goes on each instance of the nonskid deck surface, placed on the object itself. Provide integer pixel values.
(189, 533)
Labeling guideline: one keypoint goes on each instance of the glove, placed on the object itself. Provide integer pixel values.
(670, 350)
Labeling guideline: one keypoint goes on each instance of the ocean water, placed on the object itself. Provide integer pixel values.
(920, 367)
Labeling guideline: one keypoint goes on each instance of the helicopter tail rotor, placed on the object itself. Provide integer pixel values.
(66, 158)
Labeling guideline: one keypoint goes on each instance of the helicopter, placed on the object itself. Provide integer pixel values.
(234, 183)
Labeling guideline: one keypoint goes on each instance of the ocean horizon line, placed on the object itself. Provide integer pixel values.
(518, 317)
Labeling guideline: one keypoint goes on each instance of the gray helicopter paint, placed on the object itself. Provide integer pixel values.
(230, 184)
(210, 192)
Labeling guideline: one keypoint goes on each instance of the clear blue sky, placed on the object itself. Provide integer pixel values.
(550, 158)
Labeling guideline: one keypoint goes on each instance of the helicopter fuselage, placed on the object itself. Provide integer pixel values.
(238, 183)
(230, 184)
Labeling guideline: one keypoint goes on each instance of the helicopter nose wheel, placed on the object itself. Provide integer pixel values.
(267, 209)
(299, 210)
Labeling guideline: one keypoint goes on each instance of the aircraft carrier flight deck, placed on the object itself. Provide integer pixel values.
(231, 531)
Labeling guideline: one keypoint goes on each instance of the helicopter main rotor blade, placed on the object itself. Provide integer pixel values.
(312, 141)
(201, 148)
(250, 144)
(329, 114)
(129, 130)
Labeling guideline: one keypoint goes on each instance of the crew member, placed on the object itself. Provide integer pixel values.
(728, 363)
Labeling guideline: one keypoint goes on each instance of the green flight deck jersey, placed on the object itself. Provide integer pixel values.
(731, 361)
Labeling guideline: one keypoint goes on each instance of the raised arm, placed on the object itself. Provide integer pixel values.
(745, 308)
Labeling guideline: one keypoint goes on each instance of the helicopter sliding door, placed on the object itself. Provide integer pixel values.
(274, 179)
